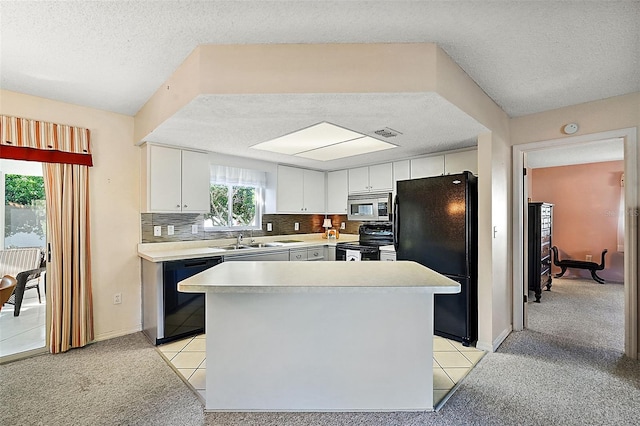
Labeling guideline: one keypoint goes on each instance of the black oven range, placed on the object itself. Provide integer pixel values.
(372, 235)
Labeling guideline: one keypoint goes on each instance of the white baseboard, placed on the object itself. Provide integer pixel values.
(116, 333)
(491, 347)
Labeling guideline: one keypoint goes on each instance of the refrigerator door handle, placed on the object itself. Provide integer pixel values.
(396, 223)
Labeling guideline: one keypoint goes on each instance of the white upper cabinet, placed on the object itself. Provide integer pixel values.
(401, 171)
(314, 192)
(458, 162)
(376, 178)
(337, 192)
(196, 181)
(300, 190)
(359, 179)
(427, 166)
(174, 180)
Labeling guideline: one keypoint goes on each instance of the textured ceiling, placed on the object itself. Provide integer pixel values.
(528, 56)
(242, 121)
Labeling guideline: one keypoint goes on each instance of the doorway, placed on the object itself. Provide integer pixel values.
(579, 143)
(584, 199)
(23, 212)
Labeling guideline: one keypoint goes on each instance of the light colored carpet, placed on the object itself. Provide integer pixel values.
(534, 378)
(122, 381)
(581, 310)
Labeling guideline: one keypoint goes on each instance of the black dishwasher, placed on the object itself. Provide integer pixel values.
(183, 314)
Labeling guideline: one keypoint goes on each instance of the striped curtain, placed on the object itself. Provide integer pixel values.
(65, 152)
(32, 140)
(69, 272)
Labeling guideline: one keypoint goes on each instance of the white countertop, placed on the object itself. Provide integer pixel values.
(334, 277)
(162, 252)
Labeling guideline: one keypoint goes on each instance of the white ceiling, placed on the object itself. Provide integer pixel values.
(528, 56)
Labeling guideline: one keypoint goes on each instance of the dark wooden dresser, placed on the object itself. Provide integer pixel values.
(540, 242)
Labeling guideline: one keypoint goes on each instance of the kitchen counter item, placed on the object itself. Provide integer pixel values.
(319, 336)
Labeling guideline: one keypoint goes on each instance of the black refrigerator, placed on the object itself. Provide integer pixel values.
(436, 224)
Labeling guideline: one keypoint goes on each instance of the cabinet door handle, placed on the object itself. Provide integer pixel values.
(185, 206)
(178, 205)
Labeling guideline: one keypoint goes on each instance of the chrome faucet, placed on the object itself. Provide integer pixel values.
(240, 237)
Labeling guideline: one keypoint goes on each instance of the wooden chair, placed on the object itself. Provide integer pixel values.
(7, 285)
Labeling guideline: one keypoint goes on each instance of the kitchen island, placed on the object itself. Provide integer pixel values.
(319, 336)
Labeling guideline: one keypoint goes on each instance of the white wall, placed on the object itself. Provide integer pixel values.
(115, 210)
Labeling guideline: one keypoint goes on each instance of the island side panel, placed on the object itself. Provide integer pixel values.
(319, 352)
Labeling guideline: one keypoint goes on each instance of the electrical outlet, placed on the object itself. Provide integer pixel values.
(194, 229)
(269, 227)
(296, 226)
(343, 225)
(170, 230)
(117, 298)
(157, 231)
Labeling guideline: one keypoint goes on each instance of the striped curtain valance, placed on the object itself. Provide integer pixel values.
(33, 140)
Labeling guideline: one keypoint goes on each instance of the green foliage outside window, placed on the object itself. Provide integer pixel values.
(23, 189)
(241, 211)
(25, 205)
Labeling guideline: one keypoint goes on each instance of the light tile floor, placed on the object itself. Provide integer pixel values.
(25, 332)
(451, 363)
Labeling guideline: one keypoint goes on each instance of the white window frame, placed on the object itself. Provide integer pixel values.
(237, 177)
(259, 210)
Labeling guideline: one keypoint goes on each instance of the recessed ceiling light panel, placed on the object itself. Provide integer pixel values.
(313, 137)
(363, 145)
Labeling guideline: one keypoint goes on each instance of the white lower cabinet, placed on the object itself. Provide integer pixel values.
(304, 254)
(298, 255)
(315, 253)
(269, 256)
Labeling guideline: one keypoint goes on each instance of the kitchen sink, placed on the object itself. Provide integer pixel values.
(233, 247)
(260, 245)
(249, 246)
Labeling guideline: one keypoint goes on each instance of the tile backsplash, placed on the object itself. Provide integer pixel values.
(282, 224)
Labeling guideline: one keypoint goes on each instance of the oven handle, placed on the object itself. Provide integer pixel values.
(396, 223)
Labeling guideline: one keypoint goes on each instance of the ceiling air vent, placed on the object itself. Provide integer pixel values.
(387, 132)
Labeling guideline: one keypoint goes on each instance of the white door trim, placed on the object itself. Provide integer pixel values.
(631, 227)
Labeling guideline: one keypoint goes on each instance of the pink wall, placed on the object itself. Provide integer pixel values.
(586, 200)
